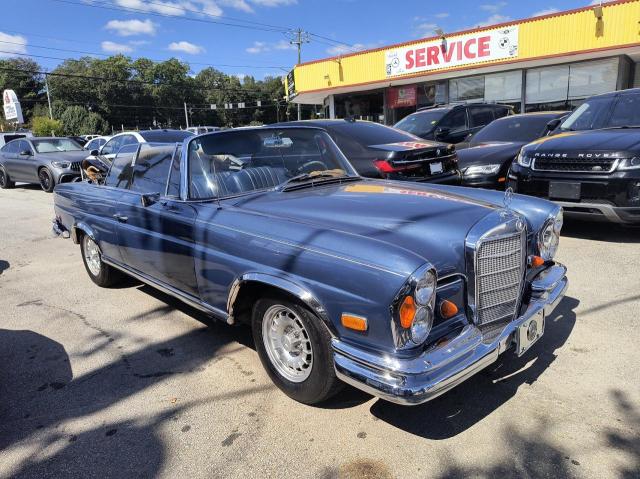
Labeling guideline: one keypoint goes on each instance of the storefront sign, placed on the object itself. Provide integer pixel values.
(401, 97)
(291, 85)
(12, 109)
(458, 51)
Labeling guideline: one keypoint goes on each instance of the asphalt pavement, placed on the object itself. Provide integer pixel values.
(128, 382)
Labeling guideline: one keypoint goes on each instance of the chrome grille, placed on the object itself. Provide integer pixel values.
(499, 274)
(76, 165)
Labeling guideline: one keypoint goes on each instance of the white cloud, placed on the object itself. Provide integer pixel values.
(441, 15)
(17, 44)
(274, 3)
(127, 28)
(493, 19)
(493, 7)
(186, 47)
(258, 47)
(237, 4)
(546, 11)
(426, 29)
(262, 47)
(113, 47)
(346, 49)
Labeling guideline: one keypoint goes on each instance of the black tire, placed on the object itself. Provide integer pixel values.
(47, 182)
(321, 382)
(105, 276)
(5, 181)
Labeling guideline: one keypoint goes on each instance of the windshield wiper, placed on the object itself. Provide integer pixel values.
(312, 176)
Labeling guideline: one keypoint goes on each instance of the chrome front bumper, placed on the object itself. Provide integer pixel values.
(439, 369)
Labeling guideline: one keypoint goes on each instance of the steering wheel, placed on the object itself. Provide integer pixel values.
(311, 166)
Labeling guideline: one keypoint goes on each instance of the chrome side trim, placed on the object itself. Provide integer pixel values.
(170, 290)
(285, 284)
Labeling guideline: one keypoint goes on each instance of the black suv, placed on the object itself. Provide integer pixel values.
(592, 166)
(452, 123)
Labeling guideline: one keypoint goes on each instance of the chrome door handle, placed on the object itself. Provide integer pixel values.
(120, 218)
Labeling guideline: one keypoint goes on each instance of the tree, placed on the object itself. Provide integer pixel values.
(77, 120)
(20, 75)
(44, 126)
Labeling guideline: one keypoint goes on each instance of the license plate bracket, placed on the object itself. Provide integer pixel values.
(564, 190)
(435, 168)
(529, 332)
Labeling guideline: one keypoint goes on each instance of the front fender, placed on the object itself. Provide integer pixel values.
(85, 228)
(285, 284)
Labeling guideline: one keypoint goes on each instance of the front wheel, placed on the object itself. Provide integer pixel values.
(5, 181)
(46, 180)
(295, 349)
(100, 273)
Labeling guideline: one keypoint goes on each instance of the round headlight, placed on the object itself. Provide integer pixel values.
(422, 324)
(549, 237)
(425, 289)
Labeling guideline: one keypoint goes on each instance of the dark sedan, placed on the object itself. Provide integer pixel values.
(45, 161)
(378, 151)
(492, 150)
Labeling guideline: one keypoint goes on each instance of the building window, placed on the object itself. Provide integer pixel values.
(505, 87)
(369, 106)
(563, 87)
(467, 89)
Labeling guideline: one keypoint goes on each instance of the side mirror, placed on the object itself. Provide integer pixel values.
(441, 132)
(149, 199)
(25, 153)
(94, 152)
(553, 124)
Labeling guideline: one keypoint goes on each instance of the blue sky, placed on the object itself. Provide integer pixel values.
(159, 29)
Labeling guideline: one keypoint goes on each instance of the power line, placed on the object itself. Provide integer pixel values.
(138, 58)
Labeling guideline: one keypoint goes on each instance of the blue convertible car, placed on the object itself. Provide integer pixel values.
(403, 290)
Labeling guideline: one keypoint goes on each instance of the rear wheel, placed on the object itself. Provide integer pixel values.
(46, 180)
(5, 181)
(295, 349)
(100, 273)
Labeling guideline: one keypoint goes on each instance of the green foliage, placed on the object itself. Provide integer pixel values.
(44, 126)
(141, 94)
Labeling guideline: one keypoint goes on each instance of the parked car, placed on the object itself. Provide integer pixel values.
(592, 173)
(7, 136)
(199, 130)
(452, 123)
(378, 151)
(491, 151)
(112, 146)
(78, 139)
(96, 143)
(47, 161)
(88, 138)
(402, 290)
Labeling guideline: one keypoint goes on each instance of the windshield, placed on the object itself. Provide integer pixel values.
(516, 128)
(242, 161)
(55, 145)
(421, 122)
(590, 115)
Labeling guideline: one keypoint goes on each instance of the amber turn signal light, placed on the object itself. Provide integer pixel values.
(407, 312)
(357, 323)
(448, 309)
(536, 261)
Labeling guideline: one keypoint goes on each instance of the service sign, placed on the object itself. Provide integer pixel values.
(12, 109)
(452, 52)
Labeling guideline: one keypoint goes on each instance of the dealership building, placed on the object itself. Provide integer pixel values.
(552, 62)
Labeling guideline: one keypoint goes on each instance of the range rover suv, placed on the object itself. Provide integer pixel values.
(592, 166)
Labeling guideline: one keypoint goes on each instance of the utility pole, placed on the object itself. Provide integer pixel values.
(46, 83)
(299, 37)
(186, 114)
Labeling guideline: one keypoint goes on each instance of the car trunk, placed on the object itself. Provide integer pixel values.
(415, 160)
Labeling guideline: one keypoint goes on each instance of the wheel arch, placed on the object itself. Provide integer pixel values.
(79, 229)
(250, 286)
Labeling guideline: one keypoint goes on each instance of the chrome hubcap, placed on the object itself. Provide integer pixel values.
(92, 255)
(287, 343)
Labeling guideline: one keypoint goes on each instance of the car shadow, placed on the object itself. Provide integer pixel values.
(457, 410)
(600, 231)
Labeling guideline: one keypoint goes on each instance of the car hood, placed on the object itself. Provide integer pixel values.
(63, 156)
(607, 140)
(391, 225)
(488, 153)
